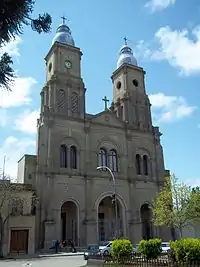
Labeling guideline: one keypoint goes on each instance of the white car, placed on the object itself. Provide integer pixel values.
(105, 248)
(165, 246)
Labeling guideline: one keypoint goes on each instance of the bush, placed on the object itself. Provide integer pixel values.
(150, 249)
(185, 250)
(121, 249)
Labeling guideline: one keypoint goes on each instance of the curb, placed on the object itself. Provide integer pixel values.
(60, 255)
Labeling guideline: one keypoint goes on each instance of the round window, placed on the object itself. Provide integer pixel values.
(135, 83)
(119, 84)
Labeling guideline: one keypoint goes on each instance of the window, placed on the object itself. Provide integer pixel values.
(63, 156)
(145, 164)
(122, 112)
(113, 160)
(138, 164)
(61, 99)
(74, 103)
(73, 157)
(102, 157)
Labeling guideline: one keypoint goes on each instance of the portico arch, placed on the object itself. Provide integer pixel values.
(106, 219)
(70, 221)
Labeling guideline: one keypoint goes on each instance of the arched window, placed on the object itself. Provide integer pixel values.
(73, 157)
(102, 157)
(113, 160)
(145, 164)
(138, 164)
(63, 156)
(61, 99)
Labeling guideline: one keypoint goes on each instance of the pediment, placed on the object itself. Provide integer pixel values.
(107, 117)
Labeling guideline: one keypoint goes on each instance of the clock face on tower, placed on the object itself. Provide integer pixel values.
(68, 64)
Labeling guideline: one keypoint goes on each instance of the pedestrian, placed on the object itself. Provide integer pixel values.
(57, 244)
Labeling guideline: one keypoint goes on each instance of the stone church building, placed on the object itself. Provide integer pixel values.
(75, 199)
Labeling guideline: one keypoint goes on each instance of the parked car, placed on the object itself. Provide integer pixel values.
(165, 246)
(135, 248)
(105, 248)
(92, 250)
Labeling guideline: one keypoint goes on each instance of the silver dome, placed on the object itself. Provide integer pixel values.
(126, 56)
(63, 35)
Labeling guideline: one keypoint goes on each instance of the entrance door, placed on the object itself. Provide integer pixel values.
(19, 241)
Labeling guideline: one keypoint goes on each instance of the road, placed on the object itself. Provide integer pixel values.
(71, 261)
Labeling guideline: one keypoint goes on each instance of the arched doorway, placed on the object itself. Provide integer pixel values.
(69, 222)
(146, 218)
(108, 226)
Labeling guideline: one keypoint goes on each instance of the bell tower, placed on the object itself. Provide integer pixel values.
(130, 101)
(64, 91)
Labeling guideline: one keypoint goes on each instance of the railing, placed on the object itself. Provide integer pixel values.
(138, 261)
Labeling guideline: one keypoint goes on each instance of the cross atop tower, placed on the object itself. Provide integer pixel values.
(106, 102)
(64, 19)
(125, 40)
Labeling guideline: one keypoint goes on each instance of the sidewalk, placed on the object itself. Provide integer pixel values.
(42, 255)
(60, 254)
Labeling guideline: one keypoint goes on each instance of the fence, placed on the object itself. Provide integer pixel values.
(136, 261)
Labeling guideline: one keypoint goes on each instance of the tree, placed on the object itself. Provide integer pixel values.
(14, 15)
(171, 205)
(194, 207)
(12, 201)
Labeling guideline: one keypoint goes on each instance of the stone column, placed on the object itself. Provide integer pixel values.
(92, 231)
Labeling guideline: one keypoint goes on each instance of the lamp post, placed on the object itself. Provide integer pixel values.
(114, 195)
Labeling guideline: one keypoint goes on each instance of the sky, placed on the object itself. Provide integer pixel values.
(165, 38)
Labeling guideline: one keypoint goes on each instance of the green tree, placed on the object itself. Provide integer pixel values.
(14, 15)
(194, 207)
(171, 205)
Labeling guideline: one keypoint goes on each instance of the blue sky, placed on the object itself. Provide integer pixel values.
(165, 38)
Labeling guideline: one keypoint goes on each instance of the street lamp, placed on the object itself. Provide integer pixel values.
(114, 194)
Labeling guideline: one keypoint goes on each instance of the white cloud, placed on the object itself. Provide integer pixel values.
(14, 149)
(27, 122)
(169, 108)
(157, 5)
(20, 94)
(179, 48)
(12, 48)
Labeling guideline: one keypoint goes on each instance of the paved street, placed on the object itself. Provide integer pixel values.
(71, 261)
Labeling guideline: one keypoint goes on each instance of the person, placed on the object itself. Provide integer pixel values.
(73, 247)
(57, 246)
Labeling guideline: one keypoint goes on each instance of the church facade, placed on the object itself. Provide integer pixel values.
(77, 201)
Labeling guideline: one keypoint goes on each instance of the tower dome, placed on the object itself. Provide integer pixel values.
(63, 35)
(126, 56)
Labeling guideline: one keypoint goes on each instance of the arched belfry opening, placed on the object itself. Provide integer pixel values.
(110, 222)
(146, 218)
(69, 222)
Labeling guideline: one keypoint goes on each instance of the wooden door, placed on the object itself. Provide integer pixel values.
(19, 241)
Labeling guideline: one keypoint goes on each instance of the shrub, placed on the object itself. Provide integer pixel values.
(150, 249)
(121, 249)
(185, 250)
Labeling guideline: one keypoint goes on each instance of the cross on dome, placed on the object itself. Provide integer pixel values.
(125, 40)
(64, 19)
